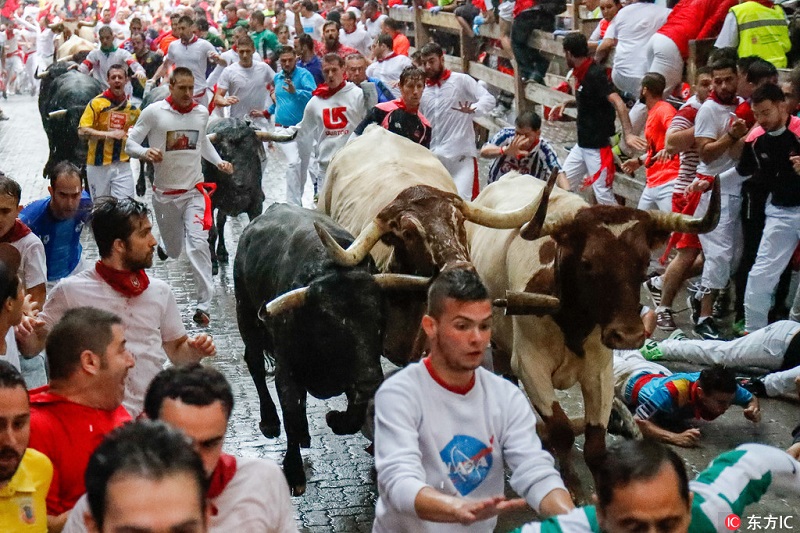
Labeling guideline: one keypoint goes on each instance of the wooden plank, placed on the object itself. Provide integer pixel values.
(545, 42)
(453, 63)
(440, 20)
(492, 77)
(548, 97)
(628, 187)
(499, 52)
(403, 15)
(490, 31)
(421, 34)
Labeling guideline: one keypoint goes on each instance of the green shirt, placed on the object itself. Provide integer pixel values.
(265, 40)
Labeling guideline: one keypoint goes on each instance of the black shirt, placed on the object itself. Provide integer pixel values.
(595, 112)
(401, 122)
(767, 159)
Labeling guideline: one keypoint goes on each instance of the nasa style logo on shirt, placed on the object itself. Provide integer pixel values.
(468, 462)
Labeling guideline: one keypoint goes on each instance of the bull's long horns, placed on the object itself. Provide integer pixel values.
(499, 219)
(527, 303)
(687, 224)
(357, 251)
(401, 282)
(284, 302)
(533, 229)
(273, 136)
(212, 137)
(41, 75)
(57, 114)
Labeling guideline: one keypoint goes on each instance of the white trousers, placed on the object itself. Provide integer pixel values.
(114, 180)
(657, 198)
(780, 238)
(632, 86)
(582, 162)
(764, 348)
(464, 170)
(180, 219)
(638, 118)
(630, 363)
(295, 180)
(664, 57)
(722, 246)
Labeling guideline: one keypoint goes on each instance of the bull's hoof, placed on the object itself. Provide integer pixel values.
(293, 470)
(297, 490)
(214, 268)
(271, 430)
(222, 256)
(342, 423)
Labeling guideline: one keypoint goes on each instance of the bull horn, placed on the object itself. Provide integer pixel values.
(670, 222)
(285, 302)
(212, 137)
(533, 229)
(271, 136)
(41, 75)
(357, 251)
(401, 282)
(492, 218)
(57, 114)
(527, 303)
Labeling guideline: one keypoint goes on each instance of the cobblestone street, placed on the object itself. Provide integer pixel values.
(341, 493)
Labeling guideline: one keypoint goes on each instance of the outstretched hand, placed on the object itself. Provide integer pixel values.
(471, 511)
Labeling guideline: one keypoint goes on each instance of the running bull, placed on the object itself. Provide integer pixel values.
(403, 205)
(323, 324)
(591, 261)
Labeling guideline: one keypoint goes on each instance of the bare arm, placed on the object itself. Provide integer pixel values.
(604, 49)
(91, 133)
(430, 504)
(190, 349)
(679, 141)
(688, 439)
(633, 141)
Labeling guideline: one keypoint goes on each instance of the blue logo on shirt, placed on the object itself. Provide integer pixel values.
(468, 462)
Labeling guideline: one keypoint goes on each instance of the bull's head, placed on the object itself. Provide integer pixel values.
(426, 228)
(601, 257)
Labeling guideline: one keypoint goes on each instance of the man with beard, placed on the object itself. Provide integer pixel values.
(89, 362)
(445, 428)
(330, 42)
(25, 474)
(119, 284)
(658, 397)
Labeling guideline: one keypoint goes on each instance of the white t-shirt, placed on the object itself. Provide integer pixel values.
(358, 39)
(712, 122)
(389, 70)
(249, 85)
(373, 27)
(313, 25)
(255, 499)
(33, 267)
(193, 56)
(150, 320)
(632, 27)
(230, 57)
(12, 351)
(729, 34)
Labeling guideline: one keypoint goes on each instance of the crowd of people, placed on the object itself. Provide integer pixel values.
(98, 436)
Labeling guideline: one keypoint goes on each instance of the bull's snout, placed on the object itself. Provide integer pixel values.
(624, 337)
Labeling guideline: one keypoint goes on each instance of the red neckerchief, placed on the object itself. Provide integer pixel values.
(221, 476)
(440, 80)
(178, 109)
(580, 71)
(113, 99)
(323, 91)
(231, 24)
(438, 379)
(391, 55)
(16, 233)
(125, 282)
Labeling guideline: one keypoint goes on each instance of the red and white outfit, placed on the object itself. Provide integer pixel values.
(33, 264)
(246, 494)
(181, 205)
(453, 136)
(193, 56)
(9, 42)
(358, 39)
(329, 119)
(98, 62)
(373, 27)
(388, 70)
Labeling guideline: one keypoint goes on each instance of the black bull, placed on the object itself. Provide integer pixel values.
(323, 324)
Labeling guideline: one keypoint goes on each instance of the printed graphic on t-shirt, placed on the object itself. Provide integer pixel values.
(182, 140)
(117, 121)
(468, 462)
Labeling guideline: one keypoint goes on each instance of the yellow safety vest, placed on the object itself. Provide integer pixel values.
(763, 32)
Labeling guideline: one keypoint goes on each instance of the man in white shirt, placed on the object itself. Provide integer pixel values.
(308, 21)
(99, 61)
(192, 53)
(12, 297)
(450, 101)
(230, 57)
(372, 19)
(445, 428)
(243, 85)
(388, 65)
(176, 130)
(248, 494)
(353, 35)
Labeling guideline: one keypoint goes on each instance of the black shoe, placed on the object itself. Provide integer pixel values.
(655, 292)
(754, 386)
(707, 329)
(201, 317)
(694, 305)
(161, 253)
(722, 304)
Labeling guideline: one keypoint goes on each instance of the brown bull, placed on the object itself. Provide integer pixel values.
(593, 261)
(403, 205)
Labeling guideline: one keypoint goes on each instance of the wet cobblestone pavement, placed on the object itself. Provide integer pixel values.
(341, 492)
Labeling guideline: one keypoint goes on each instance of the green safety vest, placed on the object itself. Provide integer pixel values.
(763, 32)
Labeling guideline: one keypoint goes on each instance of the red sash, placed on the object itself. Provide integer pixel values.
(206, 189)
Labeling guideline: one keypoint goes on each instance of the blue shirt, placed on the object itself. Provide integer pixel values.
(540, 161)
(384, 93)
(314, 66)
(61, 238)
(289, 108)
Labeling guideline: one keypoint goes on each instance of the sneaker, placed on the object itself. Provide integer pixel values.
(678, 335)
(201, 317)
(655, 291)
(707, 329)
(664, 319)
(651, 350)
(738, 328)
(161, 253)
(694, 305)
(754, 386)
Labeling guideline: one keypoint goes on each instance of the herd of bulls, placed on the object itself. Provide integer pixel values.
(325, 305)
